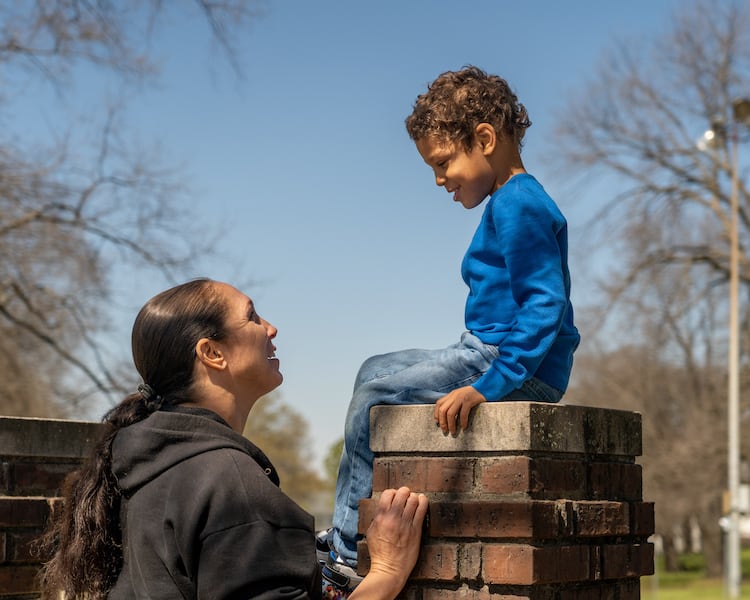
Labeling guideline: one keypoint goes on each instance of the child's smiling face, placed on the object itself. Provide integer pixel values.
(468, 175)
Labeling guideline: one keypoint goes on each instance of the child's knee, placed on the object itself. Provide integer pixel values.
(374, 367)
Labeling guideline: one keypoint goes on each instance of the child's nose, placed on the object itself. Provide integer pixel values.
(440, 180)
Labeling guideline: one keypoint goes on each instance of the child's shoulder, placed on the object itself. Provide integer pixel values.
(523, 182)
(522, 188)
(523, 193)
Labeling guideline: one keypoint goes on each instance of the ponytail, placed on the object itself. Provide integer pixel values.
(84, 538)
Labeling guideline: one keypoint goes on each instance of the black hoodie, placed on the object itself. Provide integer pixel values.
(203, 516)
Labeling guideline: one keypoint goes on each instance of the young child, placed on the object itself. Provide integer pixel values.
(468, 127)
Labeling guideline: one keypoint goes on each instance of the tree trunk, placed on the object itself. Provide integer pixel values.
(713, 547)
(671, 564)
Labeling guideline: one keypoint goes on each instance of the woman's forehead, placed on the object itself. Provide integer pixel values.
(233, 295)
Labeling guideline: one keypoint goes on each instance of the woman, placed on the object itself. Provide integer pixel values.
(175, 502)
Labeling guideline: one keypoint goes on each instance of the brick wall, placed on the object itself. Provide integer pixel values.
(533, 502)
(35, 456)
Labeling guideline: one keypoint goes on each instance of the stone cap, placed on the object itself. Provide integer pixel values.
(47, 438)
(509, 427)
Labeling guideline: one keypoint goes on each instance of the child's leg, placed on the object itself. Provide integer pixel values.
(406, 377)
(537, 391)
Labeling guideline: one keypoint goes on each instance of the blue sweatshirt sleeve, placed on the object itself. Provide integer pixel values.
(529, 233)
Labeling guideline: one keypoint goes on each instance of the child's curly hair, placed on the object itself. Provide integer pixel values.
(457, 101)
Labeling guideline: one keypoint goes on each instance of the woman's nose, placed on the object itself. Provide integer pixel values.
(270, 329)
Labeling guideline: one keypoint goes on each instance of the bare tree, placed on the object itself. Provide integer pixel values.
(666, 371)
(668, 217)
(67, 216)
(282, 433)
(638, 122)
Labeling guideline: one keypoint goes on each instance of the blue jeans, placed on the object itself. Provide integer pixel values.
(404, 377)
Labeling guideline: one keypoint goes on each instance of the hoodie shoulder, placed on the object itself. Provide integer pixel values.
(144, 450)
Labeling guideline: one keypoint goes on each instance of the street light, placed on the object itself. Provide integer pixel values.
(741, 115)
(710, 140)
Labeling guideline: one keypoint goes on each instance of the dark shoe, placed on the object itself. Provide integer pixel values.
(323, 544)
(338, 576)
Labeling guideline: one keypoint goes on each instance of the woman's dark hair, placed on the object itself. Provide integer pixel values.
(83, 539)
(457, 101)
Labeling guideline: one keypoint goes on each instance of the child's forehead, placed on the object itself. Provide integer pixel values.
(437, 144)
(431, 147)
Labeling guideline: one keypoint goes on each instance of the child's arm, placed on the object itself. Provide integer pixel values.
(452, 410)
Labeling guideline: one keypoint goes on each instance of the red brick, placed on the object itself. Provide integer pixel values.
(595, 560)
(23, 512)
(411, 472)
(504, 475)
(470, 561)
(599, 591)
(624, 589)
(38, 478)
(18, 580)
(529, 519)
(564, 563)
(598, 519)
(642, 523)
(21, 547)
(462, 593)
(520, 564)
(437, 562)
(411, 592)
(565, 518)
(622, 561)
(466, 593)
(367, 508)
(5, 479)
(540, 478)
(646, 552)
(425, 474)
(363, 558)
(508, 564)
(615, 481)
(450, 475)
(628, 590)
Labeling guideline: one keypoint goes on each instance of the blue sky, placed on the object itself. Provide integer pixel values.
(321, 199)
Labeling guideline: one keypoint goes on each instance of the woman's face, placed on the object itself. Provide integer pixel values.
(250, 353)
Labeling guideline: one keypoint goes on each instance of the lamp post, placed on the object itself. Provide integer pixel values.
(741, 115)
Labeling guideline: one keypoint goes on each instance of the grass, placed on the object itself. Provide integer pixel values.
(698, 589)
(691, 584)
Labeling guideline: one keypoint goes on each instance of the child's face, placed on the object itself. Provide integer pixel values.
(469, 176)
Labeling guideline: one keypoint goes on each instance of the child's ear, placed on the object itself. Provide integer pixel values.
(486, 137)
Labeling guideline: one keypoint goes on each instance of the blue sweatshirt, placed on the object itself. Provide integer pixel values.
(516, 268)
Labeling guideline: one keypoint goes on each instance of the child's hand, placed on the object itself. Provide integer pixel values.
(453, 409)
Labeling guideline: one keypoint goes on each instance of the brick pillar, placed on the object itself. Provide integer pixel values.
(35, 456)
(533, 502)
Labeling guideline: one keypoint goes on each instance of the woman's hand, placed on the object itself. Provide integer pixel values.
(393, 540)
